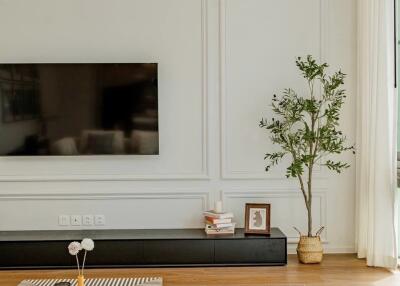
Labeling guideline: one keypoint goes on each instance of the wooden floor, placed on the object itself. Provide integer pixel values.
(341, 270)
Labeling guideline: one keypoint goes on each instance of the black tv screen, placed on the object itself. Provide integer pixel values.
(79, 109)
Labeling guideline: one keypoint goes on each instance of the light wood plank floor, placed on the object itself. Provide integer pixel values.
(340, 270)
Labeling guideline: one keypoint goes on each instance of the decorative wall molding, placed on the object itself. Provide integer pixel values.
(103, 177)
(285, 193)
(172, 206)
(226, 172)
(205, 88)
(177, 195)
(202, 175)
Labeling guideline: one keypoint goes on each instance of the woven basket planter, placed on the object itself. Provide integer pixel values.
(309, 250)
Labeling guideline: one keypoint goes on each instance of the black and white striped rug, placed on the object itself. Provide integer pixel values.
(144, 281)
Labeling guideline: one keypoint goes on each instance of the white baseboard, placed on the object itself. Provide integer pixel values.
(327, 249)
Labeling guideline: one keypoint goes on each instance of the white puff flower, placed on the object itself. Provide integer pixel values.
(74, 248)
(87, 244)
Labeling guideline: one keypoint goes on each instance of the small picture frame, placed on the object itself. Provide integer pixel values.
(258, 219)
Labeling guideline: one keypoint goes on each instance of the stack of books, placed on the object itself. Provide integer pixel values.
(219, 223)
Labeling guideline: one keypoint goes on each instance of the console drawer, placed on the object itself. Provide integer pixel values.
(179, 252)
(250, 251)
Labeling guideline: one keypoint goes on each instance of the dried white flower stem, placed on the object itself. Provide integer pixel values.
(77, 263)
(88, 245)
(84, 260)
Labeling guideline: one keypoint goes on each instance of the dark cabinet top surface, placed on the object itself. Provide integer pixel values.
(142, 234)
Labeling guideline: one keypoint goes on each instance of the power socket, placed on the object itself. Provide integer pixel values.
(99, 220)
(87, 220)
(76, 220)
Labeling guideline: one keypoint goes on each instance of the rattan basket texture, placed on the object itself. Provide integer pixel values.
(309, 249)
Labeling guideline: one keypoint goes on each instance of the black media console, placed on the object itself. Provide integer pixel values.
(142, 248)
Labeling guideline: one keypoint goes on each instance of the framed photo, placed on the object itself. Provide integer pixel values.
(258, 219)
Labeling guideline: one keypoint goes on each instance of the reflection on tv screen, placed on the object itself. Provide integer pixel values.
(79, 109)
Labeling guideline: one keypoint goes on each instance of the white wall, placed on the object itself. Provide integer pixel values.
(219, 64)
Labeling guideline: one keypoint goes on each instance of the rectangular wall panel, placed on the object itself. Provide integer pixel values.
(263, 38)
(122, 211)
(119, 31)
(287, 208)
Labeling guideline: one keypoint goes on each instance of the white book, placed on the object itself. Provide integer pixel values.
(220, 225)
(219, 232)
(214, 214)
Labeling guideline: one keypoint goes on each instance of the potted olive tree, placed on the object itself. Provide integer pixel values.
(307, 132)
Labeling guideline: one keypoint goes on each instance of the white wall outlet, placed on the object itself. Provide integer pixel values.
(63, 220)
(76, 220)
(99, 220)
(87, 220)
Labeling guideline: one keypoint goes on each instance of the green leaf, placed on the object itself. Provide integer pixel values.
(306, 128)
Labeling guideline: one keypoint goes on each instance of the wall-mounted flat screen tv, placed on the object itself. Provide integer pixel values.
(79, 109)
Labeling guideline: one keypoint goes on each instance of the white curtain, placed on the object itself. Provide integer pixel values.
(376, 135)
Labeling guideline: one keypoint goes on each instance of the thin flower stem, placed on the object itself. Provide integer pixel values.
(84, 260)
(77, 262)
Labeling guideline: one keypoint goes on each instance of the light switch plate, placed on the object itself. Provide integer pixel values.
(63, 220)
(99, 220)
(87, 220)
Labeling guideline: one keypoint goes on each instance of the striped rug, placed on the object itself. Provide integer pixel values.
(145, 281)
